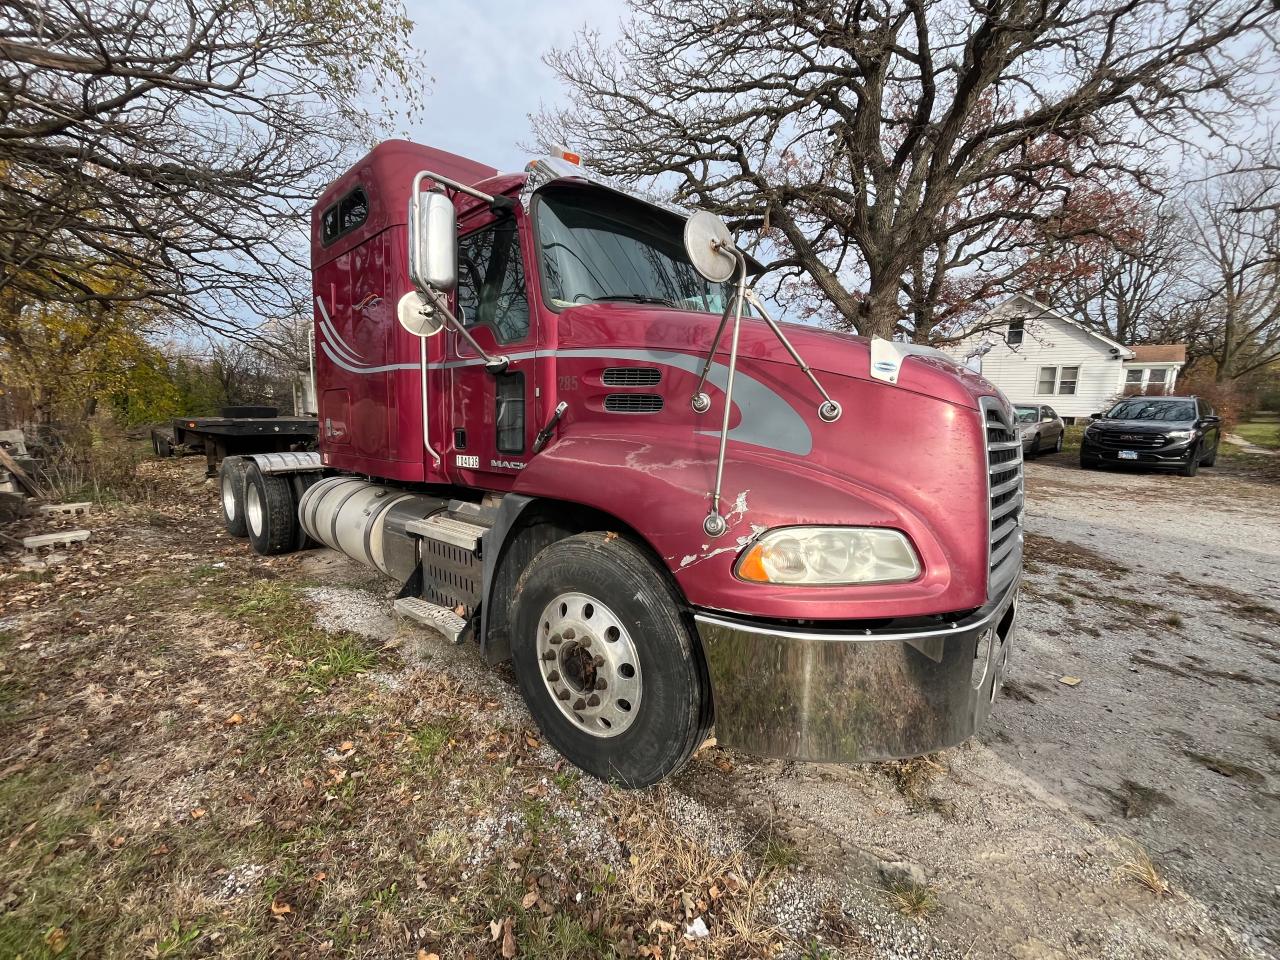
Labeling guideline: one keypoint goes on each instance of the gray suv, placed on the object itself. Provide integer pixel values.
(1171, 433)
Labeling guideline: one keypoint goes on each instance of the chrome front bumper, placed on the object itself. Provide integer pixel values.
(846, 696)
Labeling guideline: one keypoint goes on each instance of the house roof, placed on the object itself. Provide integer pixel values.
(1123, 351)
(1160, 353)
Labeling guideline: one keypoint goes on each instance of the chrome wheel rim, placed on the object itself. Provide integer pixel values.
(589, 664)
(253, 509)
(228, 497)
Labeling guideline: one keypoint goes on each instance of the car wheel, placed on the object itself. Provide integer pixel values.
(1088, 463)
(231, 495)
(1212, 458)
(1057, 447)
(269, 512)
(1192, 466)
(606, 661)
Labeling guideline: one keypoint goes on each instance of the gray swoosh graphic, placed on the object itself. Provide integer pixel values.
(339, 361)
(767, 419)
(332, 334)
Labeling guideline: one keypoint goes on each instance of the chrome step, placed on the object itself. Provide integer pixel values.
(432, 615)
(448, 529)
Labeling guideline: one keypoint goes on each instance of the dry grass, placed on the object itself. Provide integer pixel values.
(913, 900)
(192, 768)
(1138, 867)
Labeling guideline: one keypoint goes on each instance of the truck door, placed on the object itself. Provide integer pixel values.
(492, 415)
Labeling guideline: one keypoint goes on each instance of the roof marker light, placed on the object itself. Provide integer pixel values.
(564, 153)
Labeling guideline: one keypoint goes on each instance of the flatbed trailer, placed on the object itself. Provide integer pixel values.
(257, 430)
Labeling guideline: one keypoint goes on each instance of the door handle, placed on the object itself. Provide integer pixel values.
(544, 434)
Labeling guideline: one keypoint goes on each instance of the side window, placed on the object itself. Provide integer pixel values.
(491, 280)
(1016, 330)
(1051, 413)
(344, 216)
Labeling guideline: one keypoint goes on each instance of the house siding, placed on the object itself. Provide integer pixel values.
(1047, 342)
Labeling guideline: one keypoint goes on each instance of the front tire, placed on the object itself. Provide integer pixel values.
(1057, 447)
(1212, 459)
(1192, 466)
(270, 513)
(1088, 463)
(606, 661)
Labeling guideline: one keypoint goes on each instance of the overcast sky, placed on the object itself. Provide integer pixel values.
(486, 60)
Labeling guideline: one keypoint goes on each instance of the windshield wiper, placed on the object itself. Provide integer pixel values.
(637, 298)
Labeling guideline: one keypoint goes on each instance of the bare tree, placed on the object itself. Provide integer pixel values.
(1135, 283)
(1236, 318)
(163, 152)
(876, 141)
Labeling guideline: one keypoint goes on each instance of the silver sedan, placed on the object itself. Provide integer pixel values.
(1041, 428)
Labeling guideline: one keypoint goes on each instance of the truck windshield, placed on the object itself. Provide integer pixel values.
(598, 246)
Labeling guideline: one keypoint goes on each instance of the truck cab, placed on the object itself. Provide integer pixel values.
(553, 410)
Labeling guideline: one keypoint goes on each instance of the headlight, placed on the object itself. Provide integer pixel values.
(826, 556)
(1180, 434)
(1091, 428)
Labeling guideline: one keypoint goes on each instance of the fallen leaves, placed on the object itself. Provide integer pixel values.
(198, 812)
(1070, 681)
(56, 940)
(234, 720)
(279, 909)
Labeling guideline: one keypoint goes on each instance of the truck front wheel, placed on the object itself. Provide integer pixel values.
(270, 513)
(606, 662)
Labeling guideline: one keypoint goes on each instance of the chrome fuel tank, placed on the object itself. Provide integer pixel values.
(366, 522)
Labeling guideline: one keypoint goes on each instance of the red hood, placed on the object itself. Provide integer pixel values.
(841, 354)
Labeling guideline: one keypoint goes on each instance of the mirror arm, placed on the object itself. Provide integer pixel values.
(439, 302)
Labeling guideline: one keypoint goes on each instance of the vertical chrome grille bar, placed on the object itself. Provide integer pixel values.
(1005, 493)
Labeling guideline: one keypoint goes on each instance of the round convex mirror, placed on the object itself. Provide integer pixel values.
(417, 316)
(708, 241)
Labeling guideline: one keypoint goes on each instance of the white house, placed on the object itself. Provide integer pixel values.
(1036, 354)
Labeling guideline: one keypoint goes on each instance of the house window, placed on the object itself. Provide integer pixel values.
(1016, 330)
(1058, 380)
(1048, 380)
(1134, 377)
(1157, 376)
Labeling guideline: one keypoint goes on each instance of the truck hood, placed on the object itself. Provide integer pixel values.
(826, 351)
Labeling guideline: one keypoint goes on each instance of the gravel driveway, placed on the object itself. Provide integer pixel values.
(1159, 594)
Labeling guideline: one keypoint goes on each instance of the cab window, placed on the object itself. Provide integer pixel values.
(491, 288)
(344, 216)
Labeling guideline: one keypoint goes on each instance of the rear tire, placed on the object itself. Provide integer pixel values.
(231, 494)
(270, 512)
(1057, 447)
(603, 590)
(1213, 457)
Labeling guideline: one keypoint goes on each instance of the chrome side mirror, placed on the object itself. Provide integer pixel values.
(433, 241)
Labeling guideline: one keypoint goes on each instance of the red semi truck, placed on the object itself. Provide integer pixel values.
(555, 411)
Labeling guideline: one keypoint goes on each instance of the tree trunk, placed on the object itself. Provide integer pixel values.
(881, 314)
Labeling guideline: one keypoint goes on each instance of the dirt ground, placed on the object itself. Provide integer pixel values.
(206, 753)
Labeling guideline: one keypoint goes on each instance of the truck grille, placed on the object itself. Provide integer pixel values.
(1120, 440)
(1005, 494)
